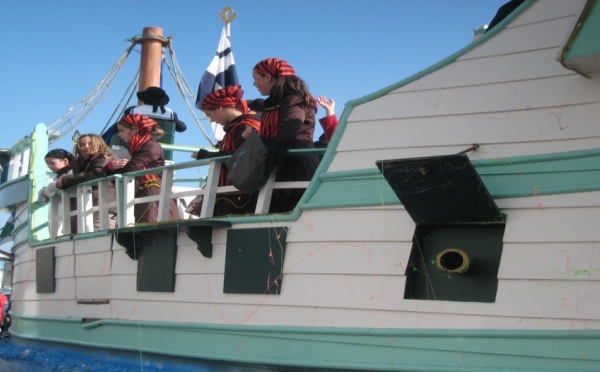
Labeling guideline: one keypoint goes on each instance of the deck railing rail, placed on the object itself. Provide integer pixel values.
(61, 209)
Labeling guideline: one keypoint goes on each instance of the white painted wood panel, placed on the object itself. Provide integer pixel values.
(582, 199)
(190, 260)
(64, 267)
(312, 257)
(95, 311)
(491, 69)
(265, 314)
(93, 264)
(23, 271)
(45, 307)
(541, 35)
(63, 248)
(548, 9)
(64, 289)
(523, 95)
(371, 258)
(353, 224)
(54, 308)
(121, 263)
(575, 300)
(24, 254)
(98, 244)
(123, 286)
(552, 225)
(357, 159)
(508, 128)
(553, 261)
(93, 288)
(23, 286)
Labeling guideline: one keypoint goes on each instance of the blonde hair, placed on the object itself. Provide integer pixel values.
(99, 147)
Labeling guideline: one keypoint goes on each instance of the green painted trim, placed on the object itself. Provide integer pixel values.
(51, 241)
(446, 61)
(331, 347)
(584, 39)
(21, 145)
(315, 187)
(540, 158)
(523, 176)
(38, 213)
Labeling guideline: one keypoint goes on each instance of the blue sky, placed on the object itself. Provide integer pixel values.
(55, 52)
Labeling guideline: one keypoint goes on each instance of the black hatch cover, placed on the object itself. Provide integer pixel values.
(440, 189)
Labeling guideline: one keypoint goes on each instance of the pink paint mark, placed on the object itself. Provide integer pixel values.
(564, 302)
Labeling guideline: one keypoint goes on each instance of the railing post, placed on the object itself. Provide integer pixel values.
(212, 183)
(85, 214)
(264, 196)
(103, 204)
(25, 161)
(66, 211)
(128, 201)
(14, 165)
(54, 218)
(166, 186)
(118, 205)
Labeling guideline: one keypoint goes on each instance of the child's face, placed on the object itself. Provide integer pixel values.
(85, 146)
(126, 133)
(263, 83)
(56, 164)
(216, 116)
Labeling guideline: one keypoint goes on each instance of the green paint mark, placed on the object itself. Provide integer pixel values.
(581, 272)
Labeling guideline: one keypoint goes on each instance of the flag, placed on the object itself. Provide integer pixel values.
(221, 71)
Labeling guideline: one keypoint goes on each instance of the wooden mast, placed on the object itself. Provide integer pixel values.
(152, 42)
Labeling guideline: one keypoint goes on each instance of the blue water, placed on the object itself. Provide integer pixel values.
(24, 356)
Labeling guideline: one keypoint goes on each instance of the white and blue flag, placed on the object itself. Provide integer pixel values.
(221, 71)
(219, 74)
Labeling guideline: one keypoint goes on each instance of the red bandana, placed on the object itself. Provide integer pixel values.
(144, 125)
(226, 97)
(275, 67)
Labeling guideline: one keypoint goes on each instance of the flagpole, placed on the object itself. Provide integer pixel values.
(221, 71)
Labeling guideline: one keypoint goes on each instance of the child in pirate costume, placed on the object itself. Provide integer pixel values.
(329, 122)
(92, 157)
(59, 161)
(227, 108)
(140, 132)
(154, 101)
(288, 122)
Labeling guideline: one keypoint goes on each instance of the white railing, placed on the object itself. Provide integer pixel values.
(61, 213)
(19, 164)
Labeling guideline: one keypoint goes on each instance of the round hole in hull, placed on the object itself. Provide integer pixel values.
(453, 261)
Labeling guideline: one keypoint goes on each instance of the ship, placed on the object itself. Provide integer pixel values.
(451, 225)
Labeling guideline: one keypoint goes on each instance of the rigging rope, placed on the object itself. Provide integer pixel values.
(118, 110)
(81, 110)
(185, 90)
